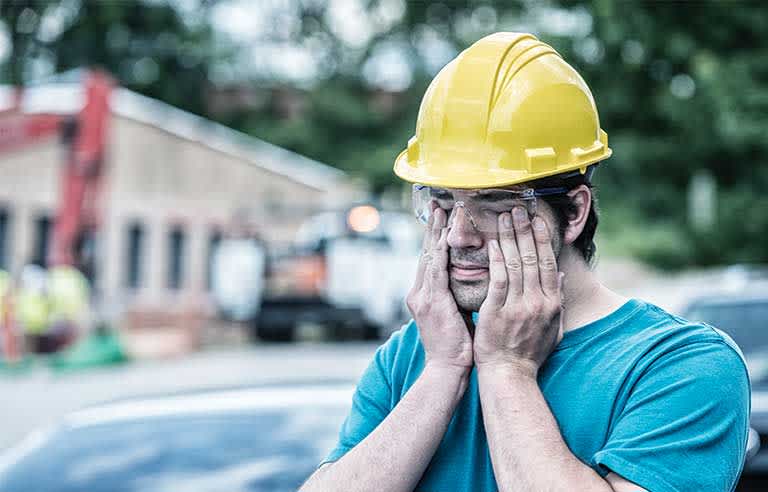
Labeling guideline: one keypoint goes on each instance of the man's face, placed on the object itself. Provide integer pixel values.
(468, 253)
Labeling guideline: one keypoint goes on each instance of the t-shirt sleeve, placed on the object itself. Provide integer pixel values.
(370, 404)
(684, 426)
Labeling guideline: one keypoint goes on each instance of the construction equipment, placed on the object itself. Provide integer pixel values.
(346, 277)
(84, 135)
(78, 216)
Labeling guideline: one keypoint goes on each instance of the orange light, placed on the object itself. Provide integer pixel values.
(363, 218)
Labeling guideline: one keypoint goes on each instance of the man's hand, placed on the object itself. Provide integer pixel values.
(447, 342)
(520, 323)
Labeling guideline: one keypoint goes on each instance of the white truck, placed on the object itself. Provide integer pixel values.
(347, 277)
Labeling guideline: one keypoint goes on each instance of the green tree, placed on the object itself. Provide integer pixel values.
(680, 88)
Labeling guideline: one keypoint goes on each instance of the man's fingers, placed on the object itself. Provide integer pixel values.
(548, 274)
(527, 249)
(425, 256)
(497, 286)
(438, 224)
(512, 262)
(437, 271)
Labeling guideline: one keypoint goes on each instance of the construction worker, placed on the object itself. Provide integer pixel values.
(33, 308)
(69, 299)
(520, 370)
(8, 345)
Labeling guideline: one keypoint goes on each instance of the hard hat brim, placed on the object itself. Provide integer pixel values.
(458, 175)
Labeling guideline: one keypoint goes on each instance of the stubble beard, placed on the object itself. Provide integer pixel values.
(470, 294)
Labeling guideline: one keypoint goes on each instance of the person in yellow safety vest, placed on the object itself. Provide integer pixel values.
(5, 284)
(69, 297)
(521, 370)
(32, 308)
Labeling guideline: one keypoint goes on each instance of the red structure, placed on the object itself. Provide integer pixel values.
(78, 215)
(85, 134)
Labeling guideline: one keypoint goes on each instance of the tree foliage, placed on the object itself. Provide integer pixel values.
(679, 85)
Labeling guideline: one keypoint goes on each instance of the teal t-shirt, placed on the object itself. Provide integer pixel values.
(659, 400)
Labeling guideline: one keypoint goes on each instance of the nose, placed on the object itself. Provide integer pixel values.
(463, 234)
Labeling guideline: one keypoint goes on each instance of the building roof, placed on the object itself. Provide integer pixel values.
(63, 96)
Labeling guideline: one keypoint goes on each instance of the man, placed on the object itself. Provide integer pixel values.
(520, 371)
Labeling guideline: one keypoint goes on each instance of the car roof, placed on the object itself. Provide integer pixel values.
(238, 400)
(728, 298)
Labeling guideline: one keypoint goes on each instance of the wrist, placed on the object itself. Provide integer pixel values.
(451, 378)
(515, 369)
(446, 369)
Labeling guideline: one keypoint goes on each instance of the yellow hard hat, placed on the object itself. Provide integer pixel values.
(507, 110)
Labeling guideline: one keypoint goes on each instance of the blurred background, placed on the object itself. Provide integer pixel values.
(197, 195)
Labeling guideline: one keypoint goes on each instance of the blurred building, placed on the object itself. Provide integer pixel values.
(173, 182)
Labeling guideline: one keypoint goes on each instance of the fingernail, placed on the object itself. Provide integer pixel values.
(538, 223)
(507, 220)
(519, 213)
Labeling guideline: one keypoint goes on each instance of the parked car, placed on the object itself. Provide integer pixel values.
(266, 439)
(744, 316)
(241, 440)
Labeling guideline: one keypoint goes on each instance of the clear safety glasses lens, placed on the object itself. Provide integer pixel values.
(479, 208)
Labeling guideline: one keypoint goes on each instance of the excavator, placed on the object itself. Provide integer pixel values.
(77, 218)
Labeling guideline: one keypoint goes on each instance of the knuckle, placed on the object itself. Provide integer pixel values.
(435, 271)
(514, 265)
(499, 284)
(548, 264)
(524, 227)
(529, 259)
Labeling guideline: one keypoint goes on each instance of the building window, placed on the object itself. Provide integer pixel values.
(42, 240)
(176, 240)
(134, 256)
(4, 239)
(214, 239)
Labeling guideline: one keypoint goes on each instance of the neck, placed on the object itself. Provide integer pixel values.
(585, 299)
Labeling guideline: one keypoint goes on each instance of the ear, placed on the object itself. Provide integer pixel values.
(581, 196)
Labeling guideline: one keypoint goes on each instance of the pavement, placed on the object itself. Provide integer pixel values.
(37, 397)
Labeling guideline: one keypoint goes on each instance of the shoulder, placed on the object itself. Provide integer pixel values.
(664, 331)
(670, 341)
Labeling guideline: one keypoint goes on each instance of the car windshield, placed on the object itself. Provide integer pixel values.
(273, 451)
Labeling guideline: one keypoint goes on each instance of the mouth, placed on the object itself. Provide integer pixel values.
(468, 272)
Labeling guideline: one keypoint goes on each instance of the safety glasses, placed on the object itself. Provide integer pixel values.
(481, 208)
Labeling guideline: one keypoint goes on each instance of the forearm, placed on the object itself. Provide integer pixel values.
(527, 449)
(394, 456)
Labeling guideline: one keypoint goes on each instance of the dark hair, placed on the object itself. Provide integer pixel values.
(564, 208)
